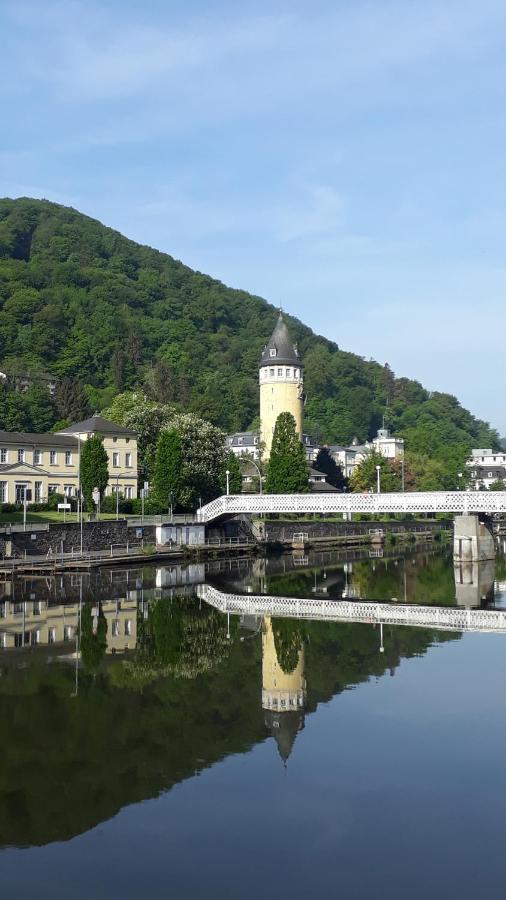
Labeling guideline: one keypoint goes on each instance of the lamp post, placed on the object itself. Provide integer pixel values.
(79, 491)
(382, 648)
(227, 473)
(459, 476)
(117, 497)
(402, 474)
(378, 479)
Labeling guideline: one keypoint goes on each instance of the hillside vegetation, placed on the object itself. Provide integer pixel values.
(107, 315)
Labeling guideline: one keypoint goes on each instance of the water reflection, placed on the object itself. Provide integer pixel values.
(37, 612)
(283, 682)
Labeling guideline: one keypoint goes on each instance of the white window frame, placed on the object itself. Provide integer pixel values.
(115, 459)
(21, 455)
(128, 460)
(53, 457)
(4, 455)
(68, 458)
(4, 491)
(37, 457)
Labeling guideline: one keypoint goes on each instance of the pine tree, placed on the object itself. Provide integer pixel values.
(326, 464)
(287, 471)
(167, 469)
(94, 468)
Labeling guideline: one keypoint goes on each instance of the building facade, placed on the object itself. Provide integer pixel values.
(485, 467)
(45, 464)
(281, 380)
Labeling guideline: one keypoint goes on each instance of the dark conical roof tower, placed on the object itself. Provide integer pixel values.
(280, 347)
(284, 728)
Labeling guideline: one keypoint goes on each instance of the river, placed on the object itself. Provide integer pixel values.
(187, 753)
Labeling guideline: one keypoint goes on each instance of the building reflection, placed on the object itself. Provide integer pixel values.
(283, 683)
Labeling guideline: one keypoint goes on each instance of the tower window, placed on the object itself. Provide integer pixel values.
(297, 373)
(272, 352)
(271, 373)
(288, 373)
(280, 373)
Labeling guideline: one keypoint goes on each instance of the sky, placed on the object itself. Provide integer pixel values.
(345, 160)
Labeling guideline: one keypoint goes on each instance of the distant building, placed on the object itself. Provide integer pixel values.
(281, 379)
(486, 466)
(45, 464)
(21, 382)
(348, 458)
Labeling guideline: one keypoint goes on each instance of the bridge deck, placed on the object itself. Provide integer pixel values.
(442, 618)
(464, 502)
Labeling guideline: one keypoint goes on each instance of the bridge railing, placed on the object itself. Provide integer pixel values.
(464, 502)
(443, 618)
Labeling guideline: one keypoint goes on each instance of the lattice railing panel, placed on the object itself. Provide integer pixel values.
(438, 617)
(465, 502)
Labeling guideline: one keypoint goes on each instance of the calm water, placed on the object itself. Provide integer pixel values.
(188, 754)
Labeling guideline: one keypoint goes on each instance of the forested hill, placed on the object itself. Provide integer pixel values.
(105, 314)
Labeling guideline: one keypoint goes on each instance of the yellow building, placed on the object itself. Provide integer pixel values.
(281, 379)
(30, 624)
(283, 693)
(44, 464)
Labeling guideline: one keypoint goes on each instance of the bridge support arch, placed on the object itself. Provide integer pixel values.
(472, 540)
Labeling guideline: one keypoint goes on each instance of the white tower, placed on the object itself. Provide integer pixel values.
(281, 384)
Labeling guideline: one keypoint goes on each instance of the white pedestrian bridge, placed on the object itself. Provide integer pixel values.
(463, 502)
(442, 618)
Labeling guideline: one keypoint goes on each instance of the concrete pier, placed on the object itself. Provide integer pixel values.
(472, 540)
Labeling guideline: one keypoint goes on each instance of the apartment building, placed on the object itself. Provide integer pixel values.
(45, 464)
(486, 467)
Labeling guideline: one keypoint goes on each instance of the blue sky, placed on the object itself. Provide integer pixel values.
(344, 159)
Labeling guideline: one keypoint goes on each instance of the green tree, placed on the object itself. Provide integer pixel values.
(167, 469)
(146, 418)
(287, 469)
(498, 485)
(365, 476)
(325, 463)
(93, 638)
(202, 460)
(234, 470)
(94, 468)
(71, 400)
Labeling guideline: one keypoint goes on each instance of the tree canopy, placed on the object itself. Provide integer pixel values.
(94, 468)
(80, 301)
(287, 470)
(326, 464)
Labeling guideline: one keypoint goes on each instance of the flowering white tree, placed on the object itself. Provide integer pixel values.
(133, 410)
(203, 459)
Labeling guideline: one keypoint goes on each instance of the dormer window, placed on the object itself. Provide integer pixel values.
(272, 352)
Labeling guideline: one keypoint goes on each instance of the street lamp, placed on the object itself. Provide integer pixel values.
(382, 648)
(117, 497)
(378, 479)
(402, 474)
(227, 473)
(459, 476)
(247, 459)
(79, 491)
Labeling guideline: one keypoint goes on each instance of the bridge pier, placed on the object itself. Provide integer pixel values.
(474, 583)
(472, 540)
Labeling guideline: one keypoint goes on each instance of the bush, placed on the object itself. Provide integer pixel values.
(53, 500)
(151, 507)
(108, 504)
